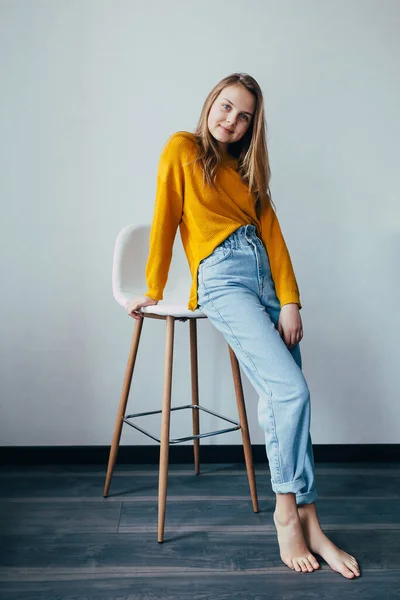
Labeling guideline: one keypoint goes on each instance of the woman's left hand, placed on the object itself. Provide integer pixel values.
(289, 324)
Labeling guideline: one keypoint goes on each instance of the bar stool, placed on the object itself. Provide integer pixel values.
(128, 281)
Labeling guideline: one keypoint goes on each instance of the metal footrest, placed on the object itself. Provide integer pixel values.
(185, 439)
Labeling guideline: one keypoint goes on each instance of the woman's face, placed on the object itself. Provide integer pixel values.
(230, 115)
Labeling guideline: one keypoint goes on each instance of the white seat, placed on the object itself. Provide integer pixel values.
(128, 275)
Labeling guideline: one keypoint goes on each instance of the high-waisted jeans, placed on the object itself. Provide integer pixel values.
(237, 293)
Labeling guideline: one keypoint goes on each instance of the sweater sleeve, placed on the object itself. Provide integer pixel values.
(167, 216)
(281, 265)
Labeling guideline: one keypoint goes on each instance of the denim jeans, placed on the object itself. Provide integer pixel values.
(237, 293)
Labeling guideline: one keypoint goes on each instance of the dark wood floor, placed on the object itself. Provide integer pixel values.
(60, 539)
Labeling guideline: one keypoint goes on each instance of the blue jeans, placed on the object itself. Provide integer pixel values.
(237, 293)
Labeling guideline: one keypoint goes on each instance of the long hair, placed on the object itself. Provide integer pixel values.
(251, 150)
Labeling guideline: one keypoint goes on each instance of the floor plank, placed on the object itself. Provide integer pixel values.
(211, 585)
(130, 485)
(233, 514)
(45, 518)
(226, 551)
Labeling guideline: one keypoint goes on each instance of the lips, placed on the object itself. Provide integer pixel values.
(225, 129)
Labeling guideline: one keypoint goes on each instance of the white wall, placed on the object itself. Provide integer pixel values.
(90, 91)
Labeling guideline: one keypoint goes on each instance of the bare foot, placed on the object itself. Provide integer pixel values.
(293, 548)
(318, 542)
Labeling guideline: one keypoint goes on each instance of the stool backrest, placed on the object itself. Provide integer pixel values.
(129, 265)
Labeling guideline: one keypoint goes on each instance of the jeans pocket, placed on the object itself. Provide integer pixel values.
(220, 254)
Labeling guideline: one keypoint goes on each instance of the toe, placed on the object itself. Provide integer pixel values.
(354, 561)
(289, 563)
(303, 565)
(347, 573)
(296, 566)
(353, 567)
(308, 565)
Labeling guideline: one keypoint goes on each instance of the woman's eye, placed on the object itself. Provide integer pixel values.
(243, 115)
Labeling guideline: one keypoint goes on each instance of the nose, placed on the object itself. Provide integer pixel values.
(231, 120)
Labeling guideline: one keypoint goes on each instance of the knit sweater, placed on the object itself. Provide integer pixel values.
(206, 217)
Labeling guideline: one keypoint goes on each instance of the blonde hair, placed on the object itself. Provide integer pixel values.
(251, 149)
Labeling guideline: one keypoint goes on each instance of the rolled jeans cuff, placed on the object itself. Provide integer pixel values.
(289, 487)
(307, 498)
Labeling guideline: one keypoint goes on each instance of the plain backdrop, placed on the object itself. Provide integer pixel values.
(90, 92)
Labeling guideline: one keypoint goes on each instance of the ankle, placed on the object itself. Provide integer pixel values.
(307, 507)
(285, 517)
(285, 503)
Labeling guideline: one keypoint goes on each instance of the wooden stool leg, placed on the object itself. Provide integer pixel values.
(165, 423)
(122, 403)
(237, 380)
(195, 392)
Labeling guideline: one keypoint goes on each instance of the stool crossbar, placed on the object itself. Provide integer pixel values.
(190, 437)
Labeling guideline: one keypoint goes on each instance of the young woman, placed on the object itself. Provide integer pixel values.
(214, 184)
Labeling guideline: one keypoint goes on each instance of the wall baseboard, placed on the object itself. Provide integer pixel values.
(76, 455)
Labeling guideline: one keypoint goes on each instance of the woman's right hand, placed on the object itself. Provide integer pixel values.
(133, 306)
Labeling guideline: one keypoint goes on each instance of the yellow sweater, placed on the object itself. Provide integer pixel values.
(206, 218)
